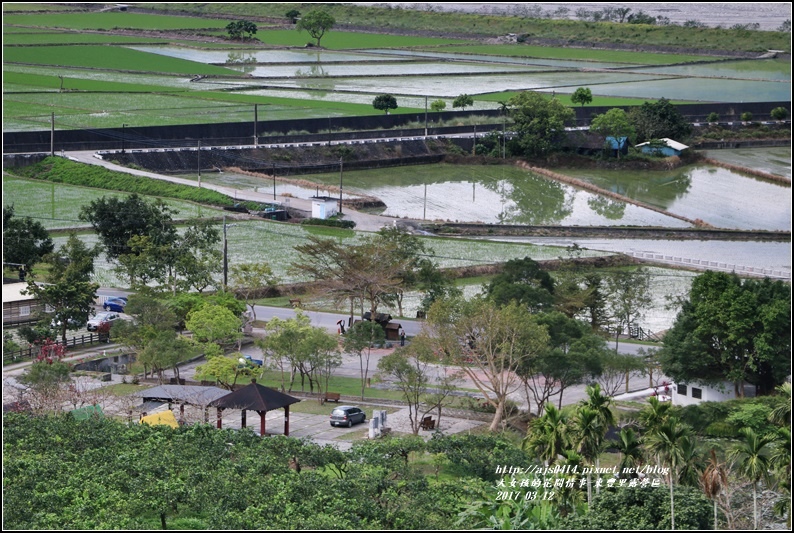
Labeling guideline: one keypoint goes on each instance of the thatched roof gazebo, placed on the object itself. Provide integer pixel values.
(255, 397)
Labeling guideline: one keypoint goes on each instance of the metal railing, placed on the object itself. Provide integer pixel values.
(705, 264)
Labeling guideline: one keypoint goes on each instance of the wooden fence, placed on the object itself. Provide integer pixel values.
(33, 351)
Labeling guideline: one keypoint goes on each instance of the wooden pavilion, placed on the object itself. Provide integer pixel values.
(255, 397)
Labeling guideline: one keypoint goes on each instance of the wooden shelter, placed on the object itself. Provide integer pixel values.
(255, 397)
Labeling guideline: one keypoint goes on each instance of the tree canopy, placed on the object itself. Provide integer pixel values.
(731, 330)
(582, 95)
(384, 102)
(317, 23)
(463, 101)
(656, 120)
(539, 121)
(25, 241)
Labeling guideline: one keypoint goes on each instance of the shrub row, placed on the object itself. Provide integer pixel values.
(335, 223)
(60, 170)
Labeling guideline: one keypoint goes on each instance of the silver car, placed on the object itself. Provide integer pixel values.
(101, 318)
(347, 415)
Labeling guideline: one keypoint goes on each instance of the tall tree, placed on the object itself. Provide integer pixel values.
(25, 241)
(539, 123)
(116, 220)
(549, 436)
(384, 102)
(463, 101)
(588, 429)
(582, 95)
(752, 452)
(250, 280)
(629, 447)
(489, 343)
(316, 23)
(731, 330)
(656, 120)
(614, 123)
(629, 297)
(667, 442)
(525, 282)
(359, 340)
(714, 480)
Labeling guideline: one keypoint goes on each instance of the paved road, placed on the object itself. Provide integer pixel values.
(364, 221)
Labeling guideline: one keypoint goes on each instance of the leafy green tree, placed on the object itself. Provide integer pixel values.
(614, 123)
(463, 101)
(384, 102)
(237, 28)
(539, 123)
(713, 117)
(658, 120)
(582, 95)
(359, 340)
(653, 415)
(733, 330)
(316, 23)
(588, 434)
(195, 257)
(250, 280)
(165, 349)
(69, 300)
(225, 370)
(779, 113)
(438, 105)
(525, 282)
(293, 15)
(117, 220)
(752, 452)
(25, 241)
(214, 324)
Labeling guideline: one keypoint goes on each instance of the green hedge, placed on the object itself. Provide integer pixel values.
(335, 223)
(60, 170)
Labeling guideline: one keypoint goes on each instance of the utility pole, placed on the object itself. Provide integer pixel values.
(340, 185)
(274, 179)
(198, 152)
(424, 209)
(225, 255)
(425, 115)
(256, 123)
(52, 134)
(123, 134)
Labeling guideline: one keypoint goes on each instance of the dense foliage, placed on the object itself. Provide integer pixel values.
(731, 330)
(101, 474)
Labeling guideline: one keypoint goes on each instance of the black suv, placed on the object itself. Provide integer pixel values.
(346, 415)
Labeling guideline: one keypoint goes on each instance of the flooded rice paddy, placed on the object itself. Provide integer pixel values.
(720, 197)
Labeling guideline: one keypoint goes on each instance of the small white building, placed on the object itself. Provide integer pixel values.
(19, 308)
(695, 393)
(324, 207)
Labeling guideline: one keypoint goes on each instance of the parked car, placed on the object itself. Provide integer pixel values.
(102, 318)
(347, 415)
(116, 304)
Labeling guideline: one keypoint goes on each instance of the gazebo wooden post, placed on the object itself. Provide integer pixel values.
(242, 419)
(262, 423)
(182, 409)
(286, 421)
(206, 414)
(220, 417)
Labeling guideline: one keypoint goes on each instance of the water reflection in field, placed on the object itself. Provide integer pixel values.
(718, 196)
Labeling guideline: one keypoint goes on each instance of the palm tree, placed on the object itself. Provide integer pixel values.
(587, 428)
(600, 404)
(569, 499)
(781, 464)
(692, 463)
(667, 442)
(752, 452)
(548, 436)
(781, 415)
(714, 479)
(630, 448)
(654, 414)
